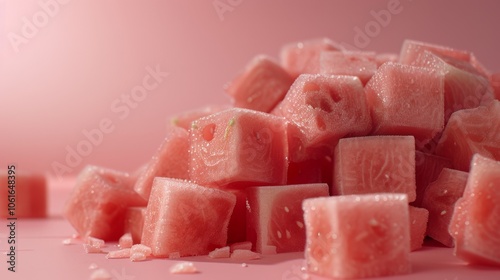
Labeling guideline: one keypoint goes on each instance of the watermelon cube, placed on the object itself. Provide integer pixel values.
(99, 202)
(30, 191)
(471, 131)
(475, 221)
(439, 198)
(185, 218)
(406, 100)
(374, 164)
(238, 148)
(134, 222)
(170, 160)
(275, 216)
(427, 169)
(303, 57)
(325, 109)
(464, 87)
(412, 49)
(185, 119)
(261, 86)
(419, 218)
(356, 236)
(360, 64)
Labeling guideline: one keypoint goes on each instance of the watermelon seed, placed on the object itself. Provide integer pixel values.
(279, 234)
(443, 212)
(287, 210)
(288, 234)
(300, 224)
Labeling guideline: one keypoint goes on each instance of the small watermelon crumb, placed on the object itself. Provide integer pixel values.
(93, 266)
(244, 255)
(100, 274)
(138, 257)
(184, 268)
(125, 241)
(220, 253)
(89, 249)
(140, 248)
(67, 241)
(95, 242)
(119, 254)
(418, 226)
(245, 245)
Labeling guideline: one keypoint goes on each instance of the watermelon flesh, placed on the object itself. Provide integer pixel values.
(373, 164)
(495, 83)
(170, 160)
(134, 222)
(186, 218)
(325, 109)
(440, 198)
(360, 64)
(30, 195)
(476, 218)
(261, 86)
(99, 201)
(239, 147)
(275, 216)
(406, 100)
(236, 231)
(418, 218)
(427, 169)
(411, 50)
(304, 57)
(471, 131)
(185, 119)
(381, 58)
(356, 236)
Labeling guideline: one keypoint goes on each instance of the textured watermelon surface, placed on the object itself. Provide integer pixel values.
(240, 147)
(134, 222)
(275, 216)
(427, 169)
(185, 218)
(471, 131)
(356, 236)
(99, 201)
(185, 119)
(440, 198)
(351, 63)
(418, 218)
(475, 221)
(374, 164)
(411, 49)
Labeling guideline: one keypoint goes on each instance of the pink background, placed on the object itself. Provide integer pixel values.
(65, 78)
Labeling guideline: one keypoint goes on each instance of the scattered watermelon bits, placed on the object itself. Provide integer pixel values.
(344, 155)
(356, 236)
(475, 221)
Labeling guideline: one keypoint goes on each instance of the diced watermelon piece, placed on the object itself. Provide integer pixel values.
(418, 225)
(92, 249)
(186, 119)
(471, 131)
(478, 214)
(237, 228)
(275, 216)
(261, 86)
(382, 58)
(170, 160)
(30, 195)
(374, 164)
(406, 100)
(220, 253)
(239, 146)
(245, 245)
(495, 83)
(95, 242)
(352, 63)
(427, 169)
(356, 236)
(303, 57)
(99, 201)
(464, 87)
(134, 222)
(186, 218)
(325, 109)
(412, 49)
(439, 198)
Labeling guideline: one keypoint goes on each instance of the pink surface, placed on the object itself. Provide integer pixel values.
(42, 255)
(90, 53)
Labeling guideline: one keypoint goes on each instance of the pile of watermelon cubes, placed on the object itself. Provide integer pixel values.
(353, 157)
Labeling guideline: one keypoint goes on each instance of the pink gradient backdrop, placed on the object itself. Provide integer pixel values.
(65, 78)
